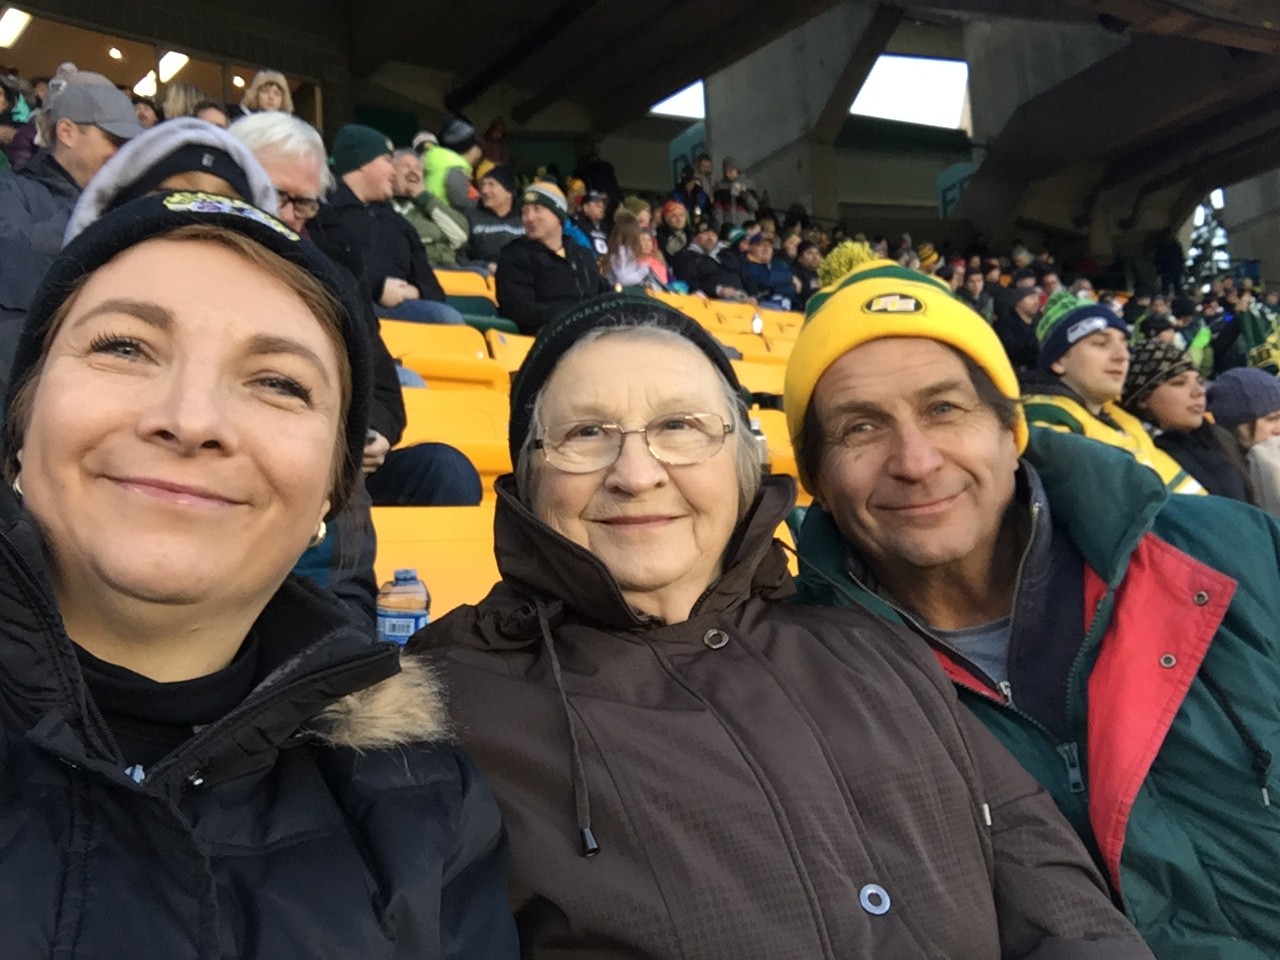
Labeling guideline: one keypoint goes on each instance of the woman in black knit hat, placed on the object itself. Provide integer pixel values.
(1165, 389)
(198, 756)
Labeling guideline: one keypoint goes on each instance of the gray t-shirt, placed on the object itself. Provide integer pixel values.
(987, 645)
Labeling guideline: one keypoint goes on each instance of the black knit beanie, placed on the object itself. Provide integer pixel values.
(610, 310)
(153, 216)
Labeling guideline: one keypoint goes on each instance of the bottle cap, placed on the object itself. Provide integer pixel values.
(408, 574)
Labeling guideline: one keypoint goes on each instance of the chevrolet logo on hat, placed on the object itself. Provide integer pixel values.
(893, 303)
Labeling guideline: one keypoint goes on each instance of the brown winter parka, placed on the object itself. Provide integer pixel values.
(762, 780)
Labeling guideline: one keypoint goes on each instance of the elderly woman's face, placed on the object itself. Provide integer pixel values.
(182, 432)
(270, 97)
(660, 530)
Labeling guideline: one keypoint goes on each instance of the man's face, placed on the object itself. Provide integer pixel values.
(731, 173)
(1028, 305)
(974, 283)
(706, 239)
(594, 210)
(408, 176)
(494, 194)
(1095, 367)
(760, 252)
(301, 177)
(541, 224)
(811, 259)
(916, 471)
(374, 181)
(82, 149)
(1051, 283)
(704, 165)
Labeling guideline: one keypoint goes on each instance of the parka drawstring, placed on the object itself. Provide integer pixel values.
(581, 792)
(1260, 754)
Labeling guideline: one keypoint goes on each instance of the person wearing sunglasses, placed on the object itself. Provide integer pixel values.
(687, 765)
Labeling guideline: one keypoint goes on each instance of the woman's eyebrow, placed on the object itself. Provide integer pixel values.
(148, 312)
(266, 343)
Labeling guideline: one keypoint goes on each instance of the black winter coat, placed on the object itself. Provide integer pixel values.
(372, 235)
(536, 285)
(35, 205)
(325, 817)
(1212, 456)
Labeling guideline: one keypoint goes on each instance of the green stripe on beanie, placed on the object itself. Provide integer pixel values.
(1059, 304)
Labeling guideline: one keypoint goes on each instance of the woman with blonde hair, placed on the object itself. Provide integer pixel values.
(181, 99)
(192, 742)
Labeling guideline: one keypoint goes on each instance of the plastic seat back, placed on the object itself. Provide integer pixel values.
(450, 547)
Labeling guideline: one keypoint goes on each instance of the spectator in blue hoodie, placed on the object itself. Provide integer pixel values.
(775, 285)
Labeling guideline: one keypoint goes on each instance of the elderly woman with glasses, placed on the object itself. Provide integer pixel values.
(687, 765)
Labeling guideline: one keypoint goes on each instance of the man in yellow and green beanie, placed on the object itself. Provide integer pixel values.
(1084, 358)
(1118, 639)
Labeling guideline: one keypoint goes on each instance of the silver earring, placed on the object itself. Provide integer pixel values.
(17, 485)
(321, 532)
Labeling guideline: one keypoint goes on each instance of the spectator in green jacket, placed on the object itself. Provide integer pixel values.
(443, 230)
(1119, 639)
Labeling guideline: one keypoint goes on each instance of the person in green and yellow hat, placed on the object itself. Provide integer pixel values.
(1084, 358)
(1119, 639)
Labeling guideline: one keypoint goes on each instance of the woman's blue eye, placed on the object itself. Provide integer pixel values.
(118, 345)
(288, 387)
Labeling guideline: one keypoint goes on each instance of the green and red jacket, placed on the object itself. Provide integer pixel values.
(1172, 708)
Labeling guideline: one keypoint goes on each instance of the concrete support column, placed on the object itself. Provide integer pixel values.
(778, 111)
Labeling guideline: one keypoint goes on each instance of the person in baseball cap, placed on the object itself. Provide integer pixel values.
(89, 119)
(1064, 589)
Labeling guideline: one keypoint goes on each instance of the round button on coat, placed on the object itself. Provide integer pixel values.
(874, 899)
(715, 639)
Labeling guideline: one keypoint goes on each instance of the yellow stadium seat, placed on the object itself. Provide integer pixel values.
(450, 547)
(466, 283)
(474, 421)
(782, 458)
(739, 317)
(433, 339)
(783, 533)
(447, 374)
(761, 378)
(508, 349)
(754, 349)
(691, 305)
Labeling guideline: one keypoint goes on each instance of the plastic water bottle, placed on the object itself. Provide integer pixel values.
(404, 607)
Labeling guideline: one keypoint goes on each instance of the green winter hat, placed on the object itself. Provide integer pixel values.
(355, 145)
(1067, 319)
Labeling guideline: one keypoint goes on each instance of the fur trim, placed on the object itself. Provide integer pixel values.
(406, 708)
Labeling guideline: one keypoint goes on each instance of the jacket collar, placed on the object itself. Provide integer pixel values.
(321, 678)
(1105, 499)
(538, 562)
(44, 169)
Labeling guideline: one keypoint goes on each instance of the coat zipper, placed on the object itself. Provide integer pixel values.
(1069, 751)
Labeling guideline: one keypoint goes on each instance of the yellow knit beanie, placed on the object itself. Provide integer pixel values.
(882, 299)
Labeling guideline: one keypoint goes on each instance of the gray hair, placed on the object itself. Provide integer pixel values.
(406, 152)
(274, 131)
(747, 450)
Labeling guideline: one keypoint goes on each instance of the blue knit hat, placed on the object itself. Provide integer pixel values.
(1243, 395)
(1066, 320)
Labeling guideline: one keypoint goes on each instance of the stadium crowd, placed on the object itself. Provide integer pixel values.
(1021, 701)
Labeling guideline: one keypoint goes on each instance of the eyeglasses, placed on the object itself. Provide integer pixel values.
(676, 439)
(304, 207)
